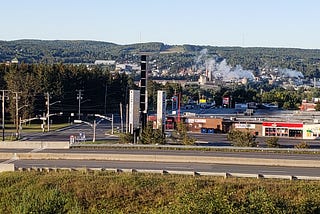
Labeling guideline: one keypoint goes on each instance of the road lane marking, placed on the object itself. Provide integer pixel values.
(37, 150)
(273, 171)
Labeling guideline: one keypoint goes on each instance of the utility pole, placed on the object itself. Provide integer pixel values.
(127, 118)
(105, 99)
(121, 118)
(17, 113)
(179, 106)
(94, 130)
(3, 97)
(79, 97)
(48, 110)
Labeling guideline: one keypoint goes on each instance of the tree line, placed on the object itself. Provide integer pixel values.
(102, 91)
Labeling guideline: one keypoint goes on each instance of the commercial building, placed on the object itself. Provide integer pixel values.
(205, 125)
(282, 129)
(253, 127)
(311, 131)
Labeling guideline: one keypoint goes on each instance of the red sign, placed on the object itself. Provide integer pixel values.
(281, 124)
(225, 100)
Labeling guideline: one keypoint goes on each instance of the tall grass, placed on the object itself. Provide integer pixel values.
(103, 192)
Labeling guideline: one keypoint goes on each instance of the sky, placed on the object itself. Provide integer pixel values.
(245, 23)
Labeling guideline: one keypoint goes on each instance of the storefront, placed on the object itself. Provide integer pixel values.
(282, 129)
(204, 125)
(254, 128)
(311, 131)
(170, 123)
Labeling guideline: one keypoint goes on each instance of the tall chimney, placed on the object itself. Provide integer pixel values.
(143, 91)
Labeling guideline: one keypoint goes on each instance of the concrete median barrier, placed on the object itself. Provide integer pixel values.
(164, 158)
(34, 145)
(6, 167)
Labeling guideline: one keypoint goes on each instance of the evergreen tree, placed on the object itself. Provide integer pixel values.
(182, 134)
(152, 136)
(242, 138)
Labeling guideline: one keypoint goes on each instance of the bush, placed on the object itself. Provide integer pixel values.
(152, 136)
(272, 142)
(302, 145)
(126, 138)
(242, 139)
(182, 134)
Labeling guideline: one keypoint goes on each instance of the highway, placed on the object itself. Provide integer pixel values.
(197, 153)
(203, 139)
(195, 167)
(167, 165)
(75, 129)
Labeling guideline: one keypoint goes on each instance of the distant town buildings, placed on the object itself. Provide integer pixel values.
(214, 74)
(14, 61)
(105, 62)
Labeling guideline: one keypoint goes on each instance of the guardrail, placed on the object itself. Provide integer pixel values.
(173, 172)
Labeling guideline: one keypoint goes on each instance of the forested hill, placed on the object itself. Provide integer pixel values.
(79, 51)
(69, 51)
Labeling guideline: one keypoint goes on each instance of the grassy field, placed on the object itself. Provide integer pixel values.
(174, 49)
(10, 129)
(106, 192)
(34, 127)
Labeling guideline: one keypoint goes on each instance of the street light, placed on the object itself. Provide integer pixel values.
(25, 121)
(18, 121)
(48, 111)
(106, 118)
(94, 125)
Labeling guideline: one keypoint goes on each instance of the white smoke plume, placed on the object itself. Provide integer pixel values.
(289, 73)
(221, 70)
(202, 54)
(226, 72)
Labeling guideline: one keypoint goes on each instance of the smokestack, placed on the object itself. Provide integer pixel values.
(143, 91)
(209, 75)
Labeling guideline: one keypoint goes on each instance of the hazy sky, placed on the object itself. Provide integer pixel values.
(248, 23)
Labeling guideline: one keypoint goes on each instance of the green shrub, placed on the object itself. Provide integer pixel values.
(272, 142)
(126, 138)
(152, 136)
(302, 145)
(242, 138)
(182, 136)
